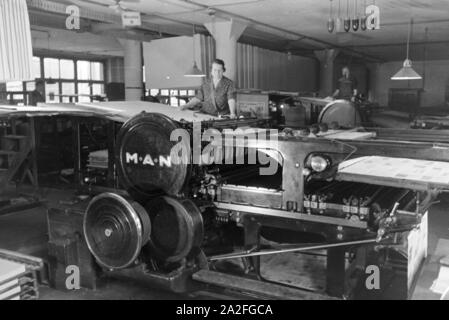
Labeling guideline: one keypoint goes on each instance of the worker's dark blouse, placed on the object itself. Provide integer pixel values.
(346, 87)
(215, 100)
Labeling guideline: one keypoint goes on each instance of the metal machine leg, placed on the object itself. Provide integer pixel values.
(335, 272)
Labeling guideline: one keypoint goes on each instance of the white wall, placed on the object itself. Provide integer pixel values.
(166, 60)
(435, 83)
(271, 70)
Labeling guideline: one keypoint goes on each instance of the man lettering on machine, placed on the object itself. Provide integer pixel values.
(216, 95)
(346, 86)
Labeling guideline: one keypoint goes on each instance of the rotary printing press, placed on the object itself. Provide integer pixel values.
(354, 198)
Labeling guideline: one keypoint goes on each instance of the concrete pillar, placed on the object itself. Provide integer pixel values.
(133, 69)
(115, 70)
(226, 34)
(327, 69)
(3, 96)
(373, 73)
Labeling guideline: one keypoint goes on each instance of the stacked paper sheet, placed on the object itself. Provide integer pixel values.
(98, 159)
(9, 279)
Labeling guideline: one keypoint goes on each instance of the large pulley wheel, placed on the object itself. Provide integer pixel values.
(115, 229)
(143, 157)
(343, 112)
(177, 228)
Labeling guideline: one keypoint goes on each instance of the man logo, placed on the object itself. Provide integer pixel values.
(148, 160)
(73, 20)
(73, 280)
(373, 280)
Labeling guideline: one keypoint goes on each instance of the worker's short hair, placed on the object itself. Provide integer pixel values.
(220, 62)
(345, 67)
(39, 81)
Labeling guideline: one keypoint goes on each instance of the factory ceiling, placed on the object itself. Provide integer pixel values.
(300, 26)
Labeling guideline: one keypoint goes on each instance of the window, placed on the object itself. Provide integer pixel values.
(173, 101)
(84, 92)
(68, 92)
(88, 70)
(65, 80)
(30, 86)
(173, 97)
(97, 89)
(96, 71)
(83, 68)
(51, 68)
(52, 93)
(36, 67)
(67, 68)
(14, 86)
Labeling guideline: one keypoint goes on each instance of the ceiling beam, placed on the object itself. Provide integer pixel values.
(87, 16)
(402, 44)
(60, 8)
(414, 22)
(300, 36)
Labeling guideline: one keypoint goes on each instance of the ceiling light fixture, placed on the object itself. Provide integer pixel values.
(355, 20)
(364, 17)
(347, 20)
(407, 72)
(330, 22)
(194, 71)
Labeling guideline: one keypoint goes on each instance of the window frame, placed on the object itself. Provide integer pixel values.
(166, 99)
(25, 92)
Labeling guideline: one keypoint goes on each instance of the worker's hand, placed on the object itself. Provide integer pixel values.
(232, 116)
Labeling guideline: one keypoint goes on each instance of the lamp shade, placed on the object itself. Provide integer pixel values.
(194, 72)
(407, 72)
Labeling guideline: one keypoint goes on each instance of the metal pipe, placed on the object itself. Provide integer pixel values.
(276, 251)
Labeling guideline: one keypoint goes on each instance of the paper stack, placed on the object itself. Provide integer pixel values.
(98, 159)
(9, 279)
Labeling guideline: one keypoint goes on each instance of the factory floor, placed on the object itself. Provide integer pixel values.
(26, 232)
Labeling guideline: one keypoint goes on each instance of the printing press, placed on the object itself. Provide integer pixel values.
(205, 224)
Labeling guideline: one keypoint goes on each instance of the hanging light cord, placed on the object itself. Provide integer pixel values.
(408, 37)
(193, 39)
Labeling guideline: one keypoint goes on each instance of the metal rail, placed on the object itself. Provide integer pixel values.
(250, 253)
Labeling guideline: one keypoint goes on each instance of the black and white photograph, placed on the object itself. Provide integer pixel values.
(226, 156)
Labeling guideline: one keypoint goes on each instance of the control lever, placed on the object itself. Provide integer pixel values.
(387, 222)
